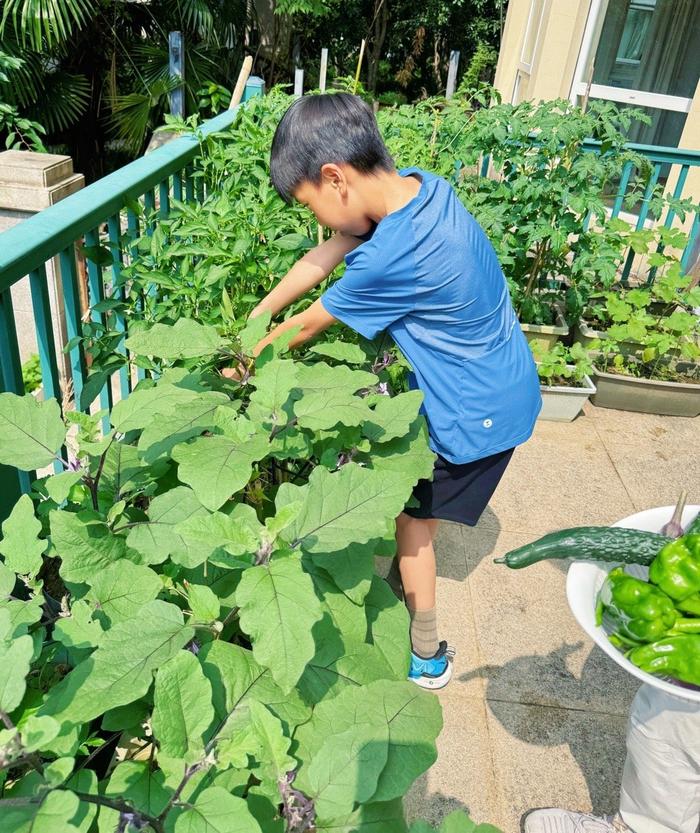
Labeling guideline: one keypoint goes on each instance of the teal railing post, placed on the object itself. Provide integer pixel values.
(255, 86)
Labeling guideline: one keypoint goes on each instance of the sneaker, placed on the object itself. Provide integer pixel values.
(434, 672)
(564, 821)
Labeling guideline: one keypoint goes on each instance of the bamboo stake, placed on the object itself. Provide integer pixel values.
(324, 69)
(298, 83)
(359, 67)
(242, 80)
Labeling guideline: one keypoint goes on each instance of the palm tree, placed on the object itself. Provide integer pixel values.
(95, 74)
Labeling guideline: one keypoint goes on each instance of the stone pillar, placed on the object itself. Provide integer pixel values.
(30, 182)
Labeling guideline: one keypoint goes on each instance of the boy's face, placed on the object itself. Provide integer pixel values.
(337, 201)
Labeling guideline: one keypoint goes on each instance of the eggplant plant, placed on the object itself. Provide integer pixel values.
(193, 636)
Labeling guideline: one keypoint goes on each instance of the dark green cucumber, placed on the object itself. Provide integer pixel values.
(589, 543)
(694, 528)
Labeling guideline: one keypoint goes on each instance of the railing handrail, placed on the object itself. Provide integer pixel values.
(656, 153)
(31, 243)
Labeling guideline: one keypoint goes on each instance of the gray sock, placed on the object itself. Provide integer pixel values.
(424, 637)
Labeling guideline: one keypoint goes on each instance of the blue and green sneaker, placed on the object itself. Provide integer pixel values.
(434, 672)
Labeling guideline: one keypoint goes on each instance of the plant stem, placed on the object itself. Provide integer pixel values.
(121, 807)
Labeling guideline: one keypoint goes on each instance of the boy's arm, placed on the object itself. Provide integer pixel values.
(307, 272)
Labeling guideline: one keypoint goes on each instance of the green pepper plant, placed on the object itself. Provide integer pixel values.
(561, 365)
(653, 332)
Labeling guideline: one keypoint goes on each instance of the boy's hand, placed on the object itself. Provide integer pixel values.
(237, 374)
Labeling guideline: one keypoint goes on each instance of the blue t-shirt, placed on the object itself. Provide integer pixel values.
(431, 277)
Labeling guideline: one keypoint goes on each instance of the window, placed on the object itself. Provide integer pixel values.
(532, 33)
(634, 35)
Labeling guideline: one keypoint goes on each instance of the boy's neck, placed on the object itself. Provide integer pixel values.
(387, 192)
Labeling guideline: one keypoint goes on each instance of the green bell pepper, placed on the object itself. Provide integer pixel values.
(675, 656)
(636, 610)
(690, 605)
(676, 569)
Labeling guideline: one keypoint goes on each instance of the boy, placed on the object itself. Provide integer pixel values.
(419, 266)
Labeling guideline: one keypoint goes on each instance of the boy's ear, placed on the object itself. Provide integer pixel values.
(334, 175)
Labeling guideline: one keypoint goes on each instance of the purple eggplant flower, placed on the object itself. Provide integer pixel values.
(383, 389)
(194, 647)
(385, 361)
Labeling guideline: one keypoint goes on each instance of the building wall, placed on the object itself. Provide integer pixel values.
(556, 50)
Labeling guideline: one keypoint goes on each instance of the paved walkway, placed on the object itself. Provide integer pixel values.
(535, 715)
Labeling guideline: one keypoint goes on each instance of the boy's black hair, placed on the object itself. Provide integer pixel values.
(318, 129)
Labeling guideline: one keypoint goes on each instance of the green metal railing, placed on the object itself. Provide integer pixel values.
(56, 232)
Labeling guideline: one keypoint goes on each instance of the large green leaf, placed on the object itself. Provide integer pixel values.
(15, 658)
(83, 781)
(182, 709)
(78, 630)
(351, 568)
(211, 536)
(122, 589)
(278, 610)
(139, 784)
(341, 351)
(85, 544)
(32, 432)
(329, 396)
(345, 770)
(392, 416)
(20, 543)
(380, 817)
(121, 669)
(187, 420)
(406, 720)
(158, 537)
(144, 405)
(334, 667)
(186, 339)
(237, 679)
(408, 456)
(217, 467)
(352, 505)
(272, 752)
(389, 625)
(456, 822)
(273, 385)
(217, 811)
(55, 812)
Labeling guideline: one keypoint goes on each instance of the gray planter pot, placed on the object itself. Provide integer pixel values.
(563, 404)
(645, 396)
(547, 334)
(586, 335)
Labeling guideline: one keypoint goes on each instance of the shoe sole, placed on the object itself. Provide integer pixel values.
(434, 683)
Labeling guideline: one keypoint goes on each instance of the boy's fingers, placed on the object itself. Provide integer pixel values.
(235, 373)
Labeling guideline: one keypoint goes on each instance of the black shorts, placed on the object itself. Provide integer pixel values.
(459, 491)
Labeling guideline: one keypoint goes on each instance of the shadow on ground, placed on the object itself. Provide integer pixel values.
(458, 545)
(596, 739)
(430, 806)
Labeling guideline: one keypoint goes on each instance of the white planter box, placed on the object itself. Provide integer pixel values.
(563, 404)
(547, 334)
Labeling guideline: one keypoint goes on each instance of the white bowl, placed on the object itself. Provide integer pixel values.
(585, 578)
